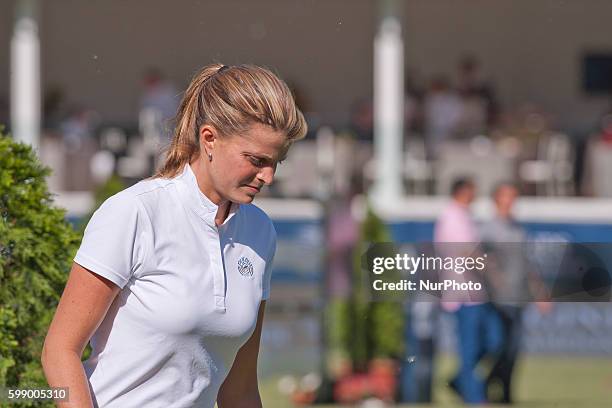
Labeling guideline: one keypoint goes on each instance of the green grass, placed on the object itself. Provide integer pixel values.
(541, 381)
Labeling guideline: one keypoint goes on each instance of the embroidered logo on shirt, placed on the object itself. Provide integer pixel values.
(245, 267)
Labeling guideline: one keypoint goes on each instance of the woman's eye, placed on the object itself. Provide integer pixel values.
(256, 162)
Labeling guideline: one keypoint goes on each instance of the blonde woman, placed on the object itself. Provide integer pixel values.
(171, 279)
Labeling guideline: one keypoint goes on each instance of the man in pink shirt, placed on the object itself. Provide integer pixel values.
(455, 224)
(479, 330)
(456, 235)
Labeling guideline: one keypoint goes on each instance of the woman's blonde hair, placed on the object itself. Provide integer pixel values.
(231, 99)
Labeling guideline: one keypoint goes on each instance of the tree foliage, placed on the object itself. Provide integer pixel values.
(36, 248)
(377, 324)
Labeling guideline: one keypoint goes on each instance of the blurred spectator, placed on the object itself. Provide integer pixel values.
(420, 332)
(509, 285)
(592, 156)
(534, 123)
(77, 129)
(79, 145)
(528, 125)
(455, 224)
(342, 232)
(478, 327)
(302, 101)
(362, 120)
(480, 95)
(160, 97)
(473, 120)
(442, 112)
(53, 106)
(413, 101)
(605, 128)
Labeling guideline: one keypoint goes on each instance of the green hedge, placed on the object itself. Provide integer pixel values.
(36, 248)
(377, 326)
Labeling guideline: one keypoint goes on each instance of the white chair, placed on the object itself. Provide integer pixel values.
(552, 171)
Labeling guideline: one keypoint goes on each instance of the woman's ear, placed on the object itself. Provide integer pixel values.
(208, 137)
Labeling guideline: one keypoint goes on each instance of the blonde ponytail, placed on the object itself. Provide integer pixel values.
(231, 99)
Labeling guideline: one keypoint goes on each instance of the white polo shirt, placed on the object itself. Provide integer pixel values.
(190, 292)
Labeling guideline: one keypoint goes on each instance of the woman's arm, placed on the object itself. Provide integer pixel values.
(81, 309)
(240, 389)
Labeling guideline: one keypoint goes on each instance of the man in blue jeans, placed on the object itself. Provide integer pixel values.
(479, 330)
(479, 333)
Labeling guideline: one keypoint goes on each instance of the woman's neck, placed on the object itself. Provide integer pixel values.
(205, 186)
(223, 213)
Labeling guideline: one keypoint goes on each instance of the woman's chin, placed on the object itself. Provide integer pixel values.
(248, 200)
(243, 198)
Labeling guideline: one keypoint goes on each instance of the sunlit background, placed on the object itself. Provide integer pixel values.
(401, 97)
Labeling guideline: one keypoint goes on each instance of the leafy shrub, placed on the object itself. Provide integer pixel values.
(36, 248)
(377, 325)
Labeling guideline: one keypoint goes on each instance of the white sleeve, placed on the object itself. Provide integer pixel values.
(112, 245)
(268, 272)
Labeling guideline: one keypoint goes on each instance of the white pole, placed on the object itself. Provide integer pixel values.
(25, 75)
(388, 112)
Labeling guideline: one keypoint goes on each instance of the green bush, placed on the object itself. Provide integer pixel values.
(377, 324)
(36, 248)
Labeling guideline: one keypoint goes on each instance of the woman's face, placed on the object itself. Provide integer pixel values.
(242, 164)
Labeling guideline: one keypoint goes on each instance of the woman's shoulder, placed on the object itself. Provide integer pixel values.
(137, 197)
(150, 189)
(149, 186)
(256, 217)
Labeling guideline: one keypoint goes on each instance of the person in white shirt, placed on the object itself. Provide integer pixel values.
(171, 279)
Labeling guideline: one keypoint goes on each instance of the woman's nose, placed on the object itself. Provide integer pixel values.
(266, 175)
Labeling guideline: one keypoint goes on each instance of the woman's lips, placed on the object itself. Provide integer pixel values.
(254, 189)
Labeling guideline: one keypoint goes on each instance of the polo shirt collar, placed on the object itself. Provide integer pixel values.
(198, 201)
